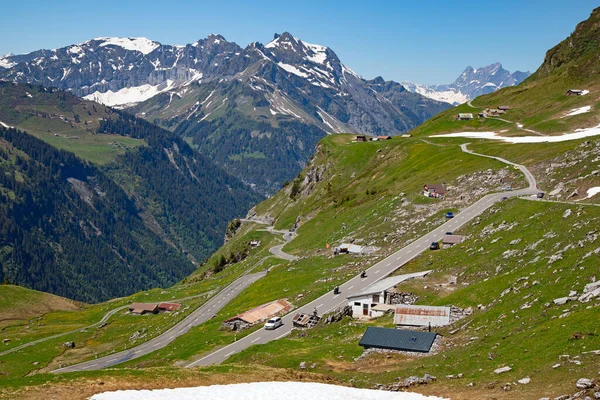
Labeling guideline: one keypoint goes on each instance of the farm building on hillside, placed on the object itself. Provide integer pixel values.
(504, 108)
(397, 339)
(168, 306)
(361, 138)
(377, 293)
(464, 116)
(411, 315)
(384, 137)
(574, 92)
(436, 190)
(451, 240)
(258, 314)
(143, 308)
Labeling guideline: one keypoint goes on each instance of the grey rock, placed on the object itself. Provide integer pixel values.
(584, 383)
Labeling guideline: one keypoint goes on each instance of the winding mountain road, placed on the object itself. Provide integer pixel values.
(329, 301)
(323, 304)
(104, 319)
(197, 317)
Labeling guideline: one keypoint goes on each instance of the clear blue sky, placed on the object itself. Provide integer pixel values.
(427, 41)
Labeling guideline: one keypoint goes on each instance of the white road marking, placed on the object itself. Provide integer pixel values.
(255, 340)
(350, 287)
(377, 271)
(279, 337)
(319, 305)
(227, 355)
(93, 365)
(157, 344)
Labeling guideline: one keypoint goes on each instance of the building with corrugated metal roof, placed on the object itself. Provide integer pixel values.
(397, 339)
(451, 240)
(258, 314)
(363, 301)
(411, 315)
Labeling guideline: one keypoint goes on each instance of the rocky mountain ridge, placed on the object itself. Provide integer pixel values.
(126, 71)
(470, 84)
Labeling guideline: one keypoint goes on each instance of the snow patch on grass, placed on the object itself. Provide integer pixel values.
(578, 134)
(262, 390)
(577, 111)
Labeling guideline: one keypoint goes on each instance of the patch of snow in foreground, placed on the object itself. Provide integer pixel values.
(578, 134)
(262, 390)
(577, 111)
(593, 191)
(4, 125)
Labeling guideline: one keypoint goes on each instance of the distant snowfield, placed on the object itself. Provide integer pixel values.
(577, 111)
(262, 390)
(141, 44)
(130, 95)
(578, 134)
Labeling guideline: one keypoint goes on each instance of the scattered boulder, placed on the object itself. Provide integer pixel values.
(303, 365)
(69, 345)
(502, 370)
(524, 381)
(584, 383)
(408, 382)
(561, 301)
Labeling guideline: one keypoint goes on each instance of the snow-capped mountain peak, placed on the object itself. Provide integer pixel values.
(141, 44)
(471, 83)
(285, 79)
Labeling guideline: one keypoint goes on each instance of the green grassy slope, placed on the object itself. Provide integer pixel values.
(62, 120)
(511, 287)
(540, 102)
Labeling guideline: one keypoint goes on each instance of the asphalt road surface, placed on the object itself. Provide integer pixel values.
(323, 304)
(197, 317)
(329, 301)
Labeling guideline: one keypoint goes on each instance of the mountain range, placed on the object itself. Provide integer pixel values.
(470, 84)
(256, 111)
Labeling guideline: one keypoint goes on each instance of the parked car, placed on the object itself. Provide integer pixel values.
(508, 188)
(504, 198)
(273, 323)
(434, 246)
(449, 214)
(449, 233)
(540, 195)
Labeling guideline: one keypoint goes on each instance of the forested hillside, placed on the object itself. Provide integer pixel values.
(66, 228)
(142, 209)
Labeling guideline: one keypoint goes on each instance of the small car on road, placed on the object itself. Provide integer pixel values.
(449, 214)
(273, 323)
(434, 246)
